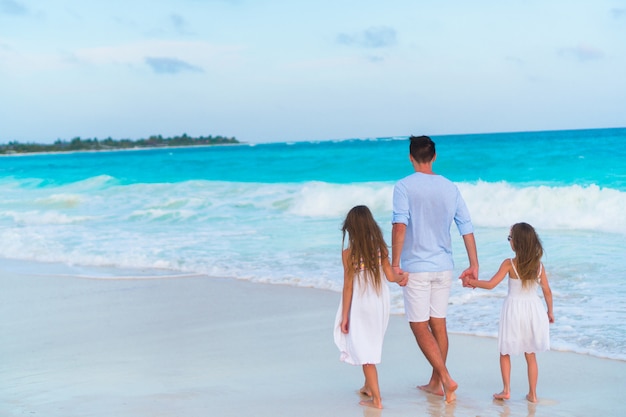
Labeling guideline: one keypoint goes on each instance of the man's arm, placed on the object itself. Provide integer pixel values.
(398, 232)
(472, 255)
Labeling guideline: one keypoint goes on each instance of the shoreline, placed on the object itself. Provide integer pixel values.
(198, 346)
(90, 272)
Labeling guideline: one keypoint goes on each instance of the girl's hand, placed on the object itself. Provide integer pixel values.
(401, 277)
(466, 279)
(344, 326)
(551, 317)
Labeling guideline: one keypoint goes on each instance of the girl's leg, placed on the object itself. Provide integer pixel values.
(533, 375)
(505, 369)
(371, 386)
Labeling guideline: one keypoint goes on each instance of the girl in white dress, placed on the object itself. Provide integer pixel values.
(524, 324)
(363, 313)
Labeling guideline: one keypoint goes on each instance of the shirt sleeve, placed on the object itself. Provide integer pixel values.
(400, 205)
(462, 216)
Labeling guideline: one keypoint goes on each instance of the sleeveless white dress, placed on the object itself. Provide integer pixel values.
(369, 316)
(524, 324)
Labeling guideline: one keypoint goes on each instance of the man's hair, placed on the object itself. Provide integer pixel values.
(422, 149)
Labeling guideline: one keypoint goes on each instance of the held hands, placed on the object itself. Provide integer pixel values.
(401, 278)
(465, 279)
(467, 275)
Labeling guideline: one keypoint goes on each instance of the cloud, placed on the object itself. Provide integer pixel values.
(618, 13)
(374, 37)
(162, 65)
(12, 7)
(582, 52)
(189, 56)
(202, 54)
(179, 23)
(514, 60)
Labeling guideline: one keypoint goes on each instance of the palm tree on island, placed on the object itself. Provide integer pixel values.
(78, 144)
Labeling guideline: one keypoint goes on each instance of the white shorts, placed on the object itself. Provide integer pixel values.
(426, 295)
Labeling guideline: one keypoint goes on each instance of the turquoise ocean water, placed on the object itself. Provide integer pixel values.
(272, 213)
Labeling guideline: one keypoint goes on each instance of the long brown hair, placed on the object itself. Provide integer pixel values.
(366, 243)
(528, 251)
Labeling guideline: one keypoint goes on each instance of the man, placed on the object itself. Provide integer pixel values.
(424, 206)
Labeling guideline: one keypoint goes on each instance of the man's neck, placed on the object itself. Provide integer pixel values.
(423, 168)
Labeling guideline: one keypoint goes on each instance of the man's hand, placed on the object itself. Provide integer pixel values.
(402, 278)
(468, 274)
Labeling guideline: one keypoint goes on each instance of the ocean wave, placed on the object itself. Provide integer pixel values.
(37, 218)
(320, 199)
(491, 204)
(62, 201)
(93, 183)
(498, 204)
(572, 207)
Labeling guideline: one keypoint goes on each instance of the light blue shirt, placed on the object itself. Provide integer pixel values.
(427, 205)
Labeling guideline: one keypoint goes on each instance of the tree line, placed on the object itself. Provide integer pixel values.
(95, 144)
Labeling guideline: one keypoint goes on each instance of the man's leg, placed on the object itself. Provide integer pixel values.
(440, 333)
(435, 335)
(430, 347)
(423, 303)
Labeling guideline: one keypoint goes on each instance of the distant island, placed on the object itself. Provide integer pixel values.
(78, 144)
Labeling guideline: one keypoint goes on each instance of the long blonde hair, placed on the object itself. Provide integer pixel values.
(528, 251)
(366, 243)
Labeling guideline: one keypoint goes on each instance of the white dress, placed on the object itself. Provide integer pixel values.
(524, 324)
(369, 316)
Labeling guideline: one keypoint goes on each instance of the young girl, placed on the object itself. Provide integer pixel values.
(524, 324)
(363, 313)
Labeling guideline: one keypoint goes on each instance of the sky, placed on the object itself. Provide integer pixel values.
(288, 70)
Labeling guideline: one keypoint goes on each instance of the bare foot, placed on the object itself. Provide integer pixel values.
(431, 389)
(449, 389)
(365, 392)
(532, 398)
(504, 395)
(372, 403)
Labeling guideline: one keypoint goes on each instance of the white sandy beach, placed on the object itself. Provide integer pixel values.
(202, 346)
